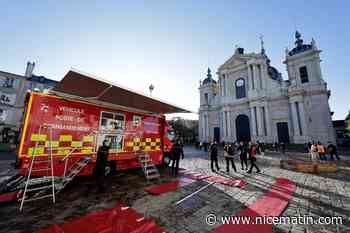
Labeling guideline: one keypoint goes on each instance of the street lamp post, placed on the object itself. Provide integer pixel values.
(151, 88)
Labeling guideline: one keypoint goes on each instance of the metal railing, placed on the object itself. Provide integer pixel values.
(66, 157)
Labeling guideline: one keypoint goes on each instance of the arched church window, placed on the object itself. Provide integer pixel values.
(206, 99)
(240, 88)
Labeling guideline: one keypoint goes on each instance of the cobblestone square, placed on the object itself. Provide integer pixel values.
(316, 195)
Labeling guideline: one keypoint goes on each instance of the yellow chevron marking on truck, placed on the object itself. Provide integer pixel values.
(38, 137)
(53, 143)
(76, 144)
(65, 138)
(88, 138)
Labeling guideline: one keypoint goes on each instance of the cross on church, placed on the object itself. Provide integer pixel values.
(262, 43)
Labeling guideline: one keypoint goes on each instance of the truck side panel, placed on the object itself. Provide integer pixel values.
(72, 123)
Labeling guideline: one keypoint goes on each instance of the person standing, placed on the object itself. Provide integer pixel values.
(229, 155)
(101, 163)
(225, 150)
(309, 144)
(321, 151)
(214, 157)
(332, 151)
(313, 152)
(177, 152)
(276, 146)
(258, 147)
(252, 158)
(243, 155)
(262, 148)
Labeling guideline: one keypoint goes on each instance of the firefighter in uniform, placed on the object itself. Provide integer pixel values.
(214, 157)
(177, 152)
(101, 163)
(229, 158)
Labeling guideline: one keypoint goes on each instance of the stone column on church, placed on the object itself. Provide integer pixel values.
(249, 79)
(229, 125)
(260, 120)
(302, 118)
(295, 119)
(233, 126)
(200, 128)
(264, 74)
(260, 76)
(226, 85)
(253, 121)
(220, 85)
(223, 85)
(203, 129)
(255, 76)
(224, 124)
(267, 119)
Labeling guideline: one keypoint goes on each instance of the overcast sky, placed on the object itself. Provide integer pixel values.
(170, 43)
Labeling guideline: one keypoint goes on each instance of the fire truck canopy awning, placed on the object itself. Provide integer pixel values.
(89, 87)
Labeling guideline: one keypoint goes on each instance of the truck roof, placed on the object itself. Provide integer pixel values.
(81, 85)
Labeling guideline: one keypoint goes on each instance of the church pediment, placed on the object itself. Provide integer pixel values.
(234, 61)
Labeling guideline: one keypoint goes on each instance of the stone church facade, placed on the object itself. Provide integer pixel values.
(251, 101)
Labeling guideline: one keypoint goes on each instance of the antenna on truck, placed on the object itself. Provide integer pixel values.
(101, 94)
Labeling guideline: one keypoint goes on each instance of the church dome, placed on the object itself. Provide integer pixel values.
(274, 74)
(209, 78)
(299, 46)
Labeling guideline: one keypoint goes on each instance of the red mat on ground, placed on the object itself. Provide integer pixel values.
(270, 204)
(217, 179)
(227, 181)
(167, 187)
(197, 176)
(6, 197)
(119, 219)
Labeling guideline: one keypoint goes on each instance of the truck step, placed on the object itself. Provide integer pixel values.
(154, 176)
(39, 188)
(42, 161)
(150, 171)
(37, 198)
(41, 169)
(40, 180)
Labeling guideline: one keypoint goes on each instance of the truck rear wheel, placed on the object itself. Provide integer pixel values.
(111, 168)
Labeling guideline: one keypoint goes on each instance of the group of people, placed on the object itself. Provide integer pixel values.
(279, 147)
(319, 152)
(244, 150)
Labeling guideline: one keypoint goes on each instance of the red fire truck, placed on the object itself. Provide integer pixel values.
(81, 112)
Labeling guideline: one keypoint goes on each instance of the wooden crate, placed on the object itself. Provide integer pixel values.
(306, 167)
(326, 167)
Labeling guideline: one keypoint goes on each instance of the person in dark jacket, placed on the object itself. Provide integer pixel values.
(229, 153)
(101, 163)
(275, 145)
(214, 156)
(243, 155)
(177, 152)
(332, 151)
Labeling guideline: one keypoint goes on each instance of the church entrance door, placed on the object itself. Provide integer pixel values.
(242, 128)
(217, 134)
(282, 132)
